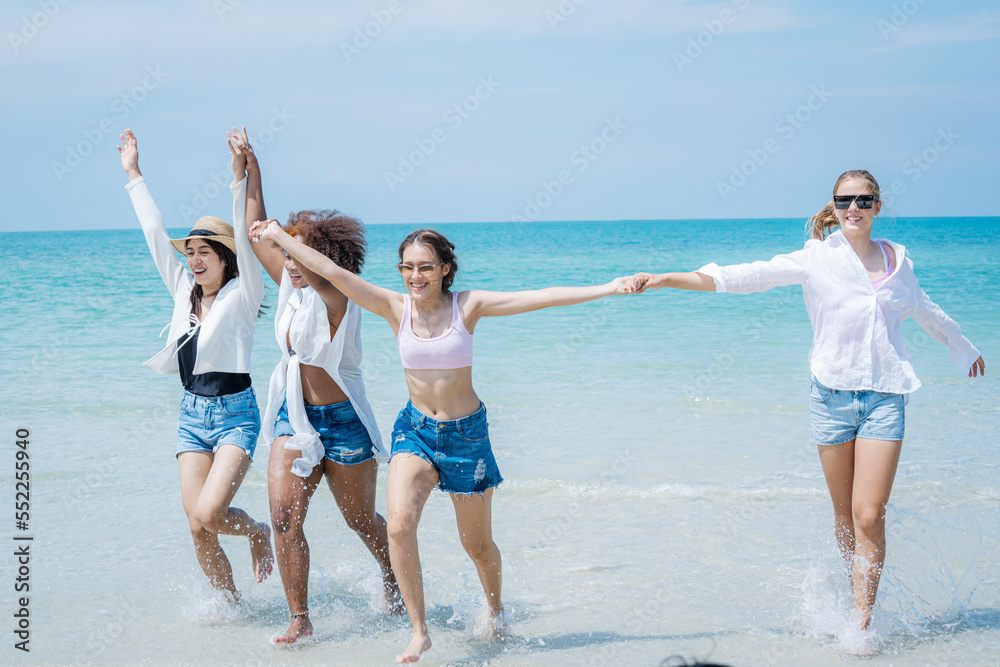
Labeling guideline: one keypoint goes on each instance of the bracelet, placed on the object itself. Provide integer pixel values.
(300, 614)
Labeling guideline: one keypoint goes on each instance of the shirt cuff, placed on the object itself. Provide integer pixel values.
(715, 271)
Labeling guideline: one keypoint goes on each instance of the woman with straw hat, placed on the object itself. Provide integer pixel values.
(216, 303)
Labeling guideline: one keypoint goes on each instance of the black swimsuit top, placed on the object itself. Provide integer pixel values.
(206, 384)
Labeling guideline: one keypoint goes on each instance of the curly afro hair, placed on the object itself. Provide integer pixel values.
(340, 237)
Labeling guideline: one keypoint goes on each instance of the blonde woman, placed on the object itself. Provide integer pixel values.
(857, 290)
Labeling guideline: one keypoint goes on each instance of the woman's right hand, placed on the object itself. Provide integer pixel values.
(130, 155)
(265, 230)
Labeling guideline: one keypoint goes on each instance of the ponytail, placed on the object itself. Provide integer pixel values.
(822, 223)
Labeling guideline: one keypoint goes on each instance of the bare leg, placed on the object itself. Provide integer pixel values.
(208, 484)
(289, 496)
(874, 472)
(474, 516)
(411, 480)
(838, 467)
(353, 488)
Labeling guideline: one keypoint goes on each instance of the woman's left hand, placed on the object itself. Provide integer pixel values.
(978, 367)
(265, 230)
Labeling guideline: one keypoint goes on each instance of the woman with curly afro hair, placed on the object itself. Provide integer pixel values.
(318, 420)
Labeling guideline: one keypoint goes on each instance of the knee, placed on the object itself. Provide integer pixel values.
(401, 526)
(198, 532)
(210, 519)
(358, 522)
(479, 550)
(869, 518)
(283, 520)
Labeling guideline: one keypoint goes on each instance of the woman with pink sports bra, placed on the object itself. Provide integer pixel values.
(441, 437)
(857, 292)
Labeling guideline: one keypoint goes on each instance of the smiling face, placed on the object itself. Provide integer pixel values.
(206, 265)
(423, 284)
(854, 220)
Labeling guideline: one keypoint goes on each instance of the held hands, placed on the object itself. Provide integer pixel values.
(978, 368)
(130, 155)
(241, 153)
(266, 230)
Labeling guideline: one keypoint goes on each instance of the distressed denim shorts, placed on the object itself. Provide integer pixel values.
(459, 449)
(208, 422)
(841, 416)
(344, 436)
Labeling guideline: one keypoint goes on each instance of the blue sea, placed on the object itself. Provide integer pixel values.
(662, 496)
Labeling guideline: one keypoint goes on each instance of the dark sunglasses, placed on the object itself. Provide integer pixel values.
(864, 201)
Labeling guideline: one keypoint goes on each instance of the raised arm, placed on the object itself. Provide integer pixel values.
(497, 304)
(251, 279)
(268, 254)
(384, 303)
(171, 269)
(692, 280)
(779, 271)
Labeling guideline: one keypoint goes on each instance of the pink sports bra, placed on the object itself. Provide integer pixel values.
(452, 349)
(887, 263)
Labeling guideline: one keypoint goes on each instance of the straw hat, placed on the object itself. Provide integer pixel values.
(211, 228)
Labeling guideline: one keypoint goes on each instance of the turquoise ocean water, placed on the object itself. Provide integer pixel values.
(662, 494)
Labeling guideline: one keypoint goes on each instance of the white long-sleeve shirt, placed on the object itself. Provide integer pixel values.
(857, 333)
(226, 335)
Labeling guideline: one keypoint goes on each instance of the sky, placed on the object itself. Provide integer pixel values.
(424, 111)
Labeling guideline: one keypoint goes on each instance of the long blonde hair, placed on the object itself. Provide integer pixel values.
(826, 221)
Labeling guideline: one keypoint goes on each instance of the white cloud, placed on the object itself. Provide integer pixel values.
(950, 30)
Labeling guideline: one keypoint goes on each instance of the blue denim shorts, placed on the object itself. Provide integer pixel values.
(459, 449)
(344, 436)
(207, 422)
(841, 416)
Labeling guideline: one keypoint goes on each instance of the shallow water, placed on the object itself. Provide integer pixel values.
(662, 495)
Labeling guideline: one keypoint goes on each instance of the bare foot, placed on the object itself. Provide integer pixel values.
(491, 626)
(260, 551)
(418, 645)
(300, 627)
